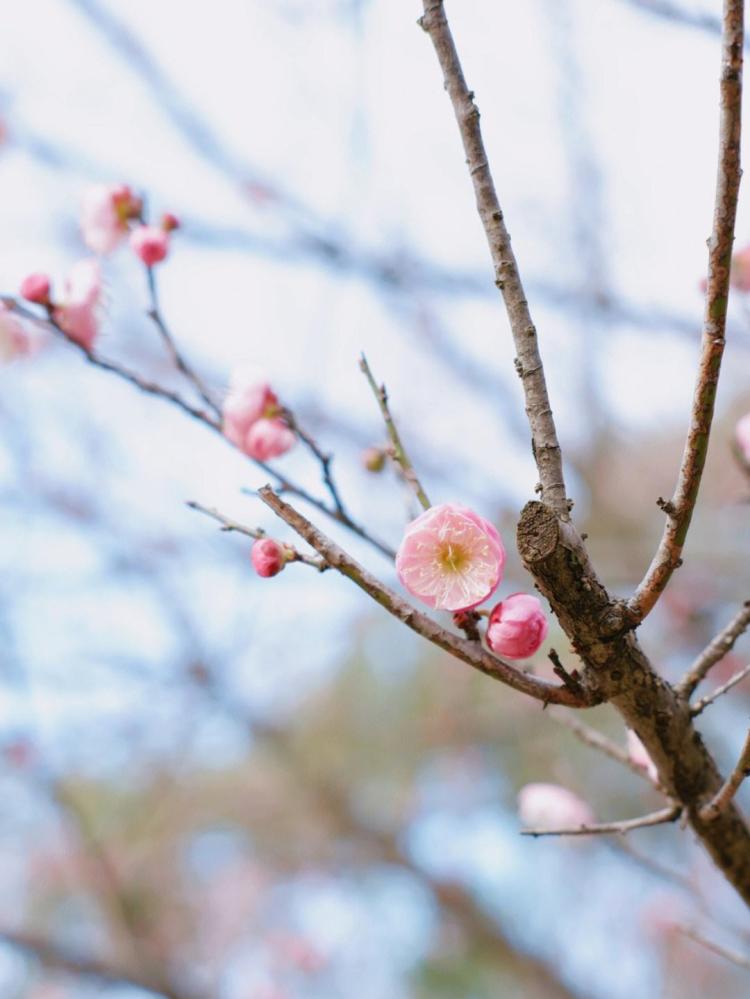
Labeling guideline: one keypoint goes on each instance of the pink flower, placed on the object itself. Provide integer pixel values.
(150, 243)
(268, 439)
(169, 222)
(14, 340)
(36, 288)
(742, 435)
(517, 626)
(549, 806)
(639, 755)
(740, 275)
(450, 558)
(107, 209)
(268, 557)
(77, 314)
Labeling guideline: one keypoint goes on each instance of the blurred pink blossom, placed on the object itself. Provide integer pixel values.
(517, 626)
(450, 558)
(639, 755)
(36, 288)
(549, 806)
(77, 314)
(268, 439)
(150, 243)
(742, 435)
(106, 211)
(14, 340)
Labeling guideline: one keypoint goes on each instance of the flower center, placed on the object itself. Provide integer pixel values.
(452, 557)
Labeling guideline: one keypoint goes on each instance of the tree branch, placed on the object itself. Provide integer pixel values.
(714, 652)
(545, 445)
(704, 702)
(680, 508)
(605, 829)
(399, 452)
(469, 652)
(727, 953)
(731, 785)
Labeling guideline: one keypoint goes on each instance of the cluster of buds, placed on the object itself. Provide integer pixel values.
(76, 312)
(112, 213)
(452, 559)
(252, 418)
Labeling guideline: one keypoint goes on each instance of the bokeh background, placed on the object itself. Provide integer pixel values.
(266, 789)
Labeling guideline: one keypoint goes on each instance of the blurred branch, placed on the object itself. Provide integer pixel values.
(731, 785)
(50, 955)
(704, 702)
(469, 652)
(323, 458)
(735, 957)
(714, 652)
(605, 829)
(177, 358)
(255, 532)
(669, 11)
(399, 453)
(545, 445)
(595, 740)
(679, 509)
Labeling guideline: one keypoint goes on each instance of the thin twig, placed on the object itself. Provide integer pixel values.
(399, 453)
(324, 458)
(50, 955)
(546, 448)
(595, 740)
(704, 702)
(607, 828)
(155, 314)
(729, 954)
(714, 651)
(679, 509)
(227, 524)
(731, 785)
(461, 648)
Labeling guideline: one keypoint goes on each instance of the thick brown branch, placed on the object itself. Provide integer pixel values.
(731, 785)
(609, 828)
(714, 652)
(469, 652)
(528, 358)
(680, 509)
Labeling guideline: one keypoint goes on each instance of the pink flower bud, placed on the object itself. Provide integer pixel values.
(169, 222)
(107, 209)
(78, 313)
(639, 755)
(450, 558)
(742, 435)
(517, 626)
(268, 557)
(549, 806)
(373, 459)
(268, 439)
(150, 243)
(36, 288)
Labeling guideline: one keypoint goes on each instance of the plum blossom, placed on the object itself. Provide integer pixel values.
(77, 313)
(517, 626)
(150, 243)
(268, 557)
(639, 755)
(268, 439)
(251, 417)
(14, 340)
(549, 806)
(107, 209)
(742, 435)
(450, 558)
(36, 288)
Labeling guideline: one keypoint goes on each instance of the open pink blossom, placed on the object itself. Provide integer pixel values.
(549, 806)
(742, 435)
(14, 340)
(106, 211)
(36, 288)
(77, 313)
(639, 755)
(450, 558)
(150, 243)
(517, 626)
(268, 439)
(268, 557)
